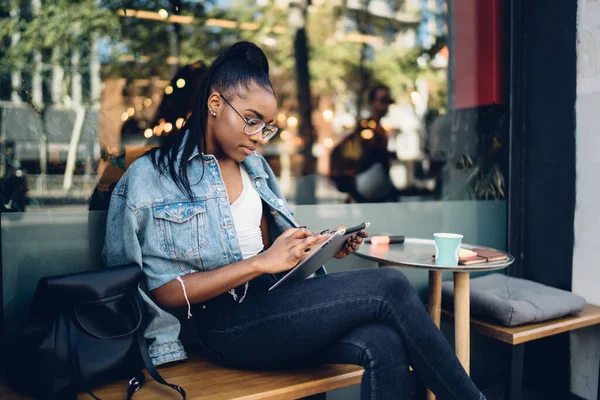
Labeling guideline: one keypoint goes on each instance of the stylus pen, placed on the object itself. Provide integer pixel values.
(385, 239)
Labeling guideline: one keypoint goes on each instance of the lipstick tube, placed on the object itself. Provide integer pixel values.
(385, 239)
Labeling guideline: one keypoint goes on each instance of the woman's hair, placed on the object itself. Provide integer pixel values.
(179, 103)
(237, 68)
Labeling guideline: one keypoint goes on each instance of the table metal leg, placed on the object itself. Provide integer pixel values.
(462, 318)
(435, 305)
(515, 379)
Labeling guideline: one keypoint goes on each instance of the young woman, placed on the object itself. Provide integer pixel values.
(205, 218)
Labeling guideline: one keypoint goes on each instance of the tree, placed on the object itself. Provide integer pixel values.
(334, 64)
(57, 29)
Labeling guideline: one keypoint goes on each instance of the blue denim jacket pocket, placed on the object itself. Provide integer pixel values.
(180, 226)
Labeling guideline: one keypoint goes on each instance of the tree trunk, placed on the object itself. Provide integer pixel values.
(36, 90)
(15, 76)
(76, 88)
(43, 152)
(58, 76)
(173, 48)
(37, 97)
(365, 75)
(73, 145)
(95, 82)
(175, 37)
(305, 126)
(364, 80)
(37, 93)
(306, 187)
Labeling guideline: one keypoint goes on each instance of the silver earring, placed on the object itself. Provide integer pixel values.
(213, 113)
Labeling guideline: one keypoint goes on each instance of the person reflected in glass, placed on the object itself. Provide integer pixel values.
(205, 218)
(360, 163)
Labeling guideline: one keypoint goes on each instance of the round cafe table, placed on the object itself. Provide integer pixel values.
(418, 253)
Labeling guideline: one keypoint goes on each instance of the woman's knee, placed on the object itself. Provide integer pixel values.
(379, 345)
(383, 284)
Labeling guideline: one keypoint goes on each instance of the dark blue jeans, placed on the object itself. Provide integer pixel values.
(371, 318)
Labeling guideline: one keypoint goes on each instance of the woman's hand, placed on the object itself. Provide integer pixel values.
(288, 250)
(352, 244)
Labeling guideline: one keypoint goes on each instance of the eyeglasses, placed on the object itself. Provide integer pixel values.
(254, 125)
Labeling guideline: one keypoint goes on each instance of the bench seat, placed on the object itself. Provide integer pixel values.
(517, 336)
(204, 380)
(525, 333)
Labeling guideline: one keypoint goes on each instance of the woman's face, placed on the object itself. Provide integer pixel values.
(225, 130)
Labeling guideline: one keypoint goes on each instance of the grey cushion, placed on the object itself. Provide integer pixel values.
(514, 301)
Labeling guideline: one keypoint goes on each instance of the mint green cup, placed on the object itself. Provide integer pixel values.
(447, 248)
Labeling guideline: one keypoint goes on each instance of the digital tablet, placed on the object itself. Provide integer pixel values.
(320, 255)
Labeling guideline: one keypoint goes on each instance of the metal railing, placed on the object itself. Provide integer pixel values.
(52, 186)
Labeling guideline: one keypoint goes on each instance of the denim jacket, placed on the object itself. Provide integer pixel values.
(153, 224)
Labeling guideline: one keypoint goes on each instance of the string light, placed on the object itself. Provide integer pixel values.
(179, 123)
(328, 143)
(292, 121)
(180, 83)
(367, 134)
(147, 102)
(281, 118)
(124, 116)
(168, 127)
(163, 15)
(169, 90)
(130, 111)
(328, 115)
(148, 133)
(372, 124)
(285, 135)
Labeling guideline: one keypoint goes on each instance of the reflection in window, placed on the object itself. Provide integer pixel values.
(87, 86)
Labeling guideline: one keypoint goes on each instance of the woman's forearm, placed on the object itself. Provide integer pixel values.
(205, 285)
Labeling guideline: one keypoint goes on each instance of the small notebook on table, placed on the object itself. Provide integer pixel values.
(482, 256)
(479, 256)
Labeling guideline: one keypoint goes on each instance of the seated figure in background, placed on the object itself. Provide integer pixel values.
(360, 163)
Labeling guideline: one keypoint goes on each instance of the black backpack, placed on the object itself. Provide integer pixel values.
(85, 329)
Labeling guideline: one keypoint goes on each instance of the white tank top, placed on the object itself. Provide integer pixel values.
(247, 213)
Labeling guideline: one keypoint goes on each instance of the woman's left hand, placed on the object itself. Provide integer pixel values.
(352, 244)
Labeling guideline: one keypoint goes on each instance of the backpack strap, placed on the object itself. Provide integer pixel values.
(148, 361)
(75, 361)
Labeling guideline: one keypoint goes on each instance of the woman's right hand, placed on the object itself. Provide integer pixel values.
(288, 250)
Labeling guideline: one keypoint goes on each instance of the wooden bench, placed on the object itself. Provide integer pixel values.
(204, 380)
(519, 335)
